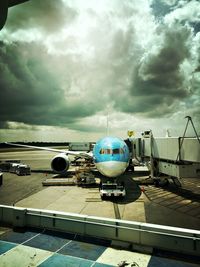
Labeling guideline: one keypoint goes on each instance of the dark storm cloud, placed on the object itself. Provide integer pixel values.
(46, 15)
(119, 57)
(160, 74)
(157, 81)
(197, 69)
(30, 92)
(87, 128)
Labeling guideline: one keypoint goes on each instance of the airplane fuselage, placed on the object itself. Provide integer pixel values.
(111, 156)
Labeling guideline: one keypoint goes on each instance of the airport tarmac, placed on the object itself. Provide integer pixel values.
(166, 206)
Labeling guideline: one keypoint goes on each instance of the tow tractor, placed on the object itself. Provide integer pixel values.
(112, 189)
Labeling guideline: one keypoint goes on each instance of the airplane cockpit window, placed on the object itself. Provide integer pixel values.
(109, 151)
(106, 151)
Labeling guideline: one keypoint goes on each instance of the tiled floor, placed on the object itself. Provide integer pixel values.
(48, 248)
(51, 249)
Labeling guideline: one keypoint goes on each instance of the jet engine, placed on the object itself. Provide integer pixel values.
(60, 163)
(3, 12)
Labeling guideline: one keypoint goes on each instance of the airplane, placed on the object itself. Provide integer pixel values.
(110, 155)
(4, 5)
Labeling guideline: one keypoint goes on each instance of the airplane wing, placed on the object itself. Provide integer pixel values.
(68, 152)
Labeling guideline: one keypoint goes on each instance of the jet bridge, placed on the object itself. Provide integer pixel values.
(177, 157)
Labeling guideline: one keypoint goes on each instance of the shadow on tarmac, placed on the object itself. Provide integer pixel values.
(133, 191)
(43, 171)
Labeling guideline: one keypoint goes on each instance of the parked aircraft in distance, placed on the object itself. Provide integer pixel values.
(110, 156)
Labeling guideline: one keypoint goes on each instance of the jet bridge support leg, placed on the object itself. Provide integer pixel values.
(171, 158)
(154, 173)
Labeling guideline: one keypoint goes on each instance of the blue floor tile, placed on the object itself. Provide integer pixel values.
(163, 262)
(5, 246)
(83, 250)
(17, 237)
(58, 260)
(48, 241)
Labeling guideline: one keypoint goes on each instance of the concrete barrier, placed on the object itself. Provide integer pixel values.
(175, 239)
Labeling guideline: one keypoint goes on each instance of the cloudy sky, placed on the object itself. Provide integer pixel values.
(69, 66)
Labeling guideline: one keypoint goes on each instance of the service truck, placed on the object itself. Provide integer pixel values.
(23, 169)
(13, 167)
(112, 189)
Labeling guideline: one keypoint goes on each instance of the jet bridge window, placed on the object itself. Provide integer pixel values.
(109, 151)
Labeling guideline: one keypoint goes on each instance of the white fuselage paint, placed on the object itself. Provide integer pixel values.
(111, 168)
